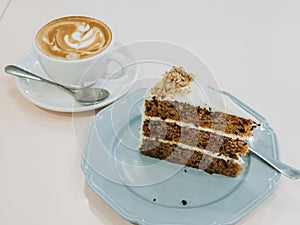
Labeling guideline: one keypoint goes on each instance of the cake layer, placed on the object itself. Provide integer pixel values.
(196, 159)
(158, 129)
(200, 117)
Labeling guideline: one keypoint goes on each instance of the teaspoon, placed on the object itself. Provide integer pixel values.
(85, 96)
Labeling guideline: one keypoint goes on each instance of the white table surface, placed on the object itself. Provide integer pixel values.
(252, 47)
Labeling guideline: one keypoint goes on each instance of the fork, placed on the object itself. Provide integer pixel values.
(281, 167)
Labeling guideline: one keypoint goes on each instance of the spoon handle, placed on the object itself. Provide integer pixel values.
(17, 71)
(281, 167)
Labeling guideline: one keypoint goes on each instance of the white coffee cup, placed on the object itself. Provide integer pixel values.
(69, 49)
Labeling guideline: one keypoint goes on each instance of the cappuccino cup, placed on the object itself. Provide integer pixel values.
(69, 48)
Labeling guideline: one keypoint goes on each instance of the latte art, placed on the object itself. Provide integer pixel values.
(73, 38)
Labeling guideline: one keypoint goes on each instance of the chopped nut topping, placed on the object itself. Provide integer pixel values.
(174, 82)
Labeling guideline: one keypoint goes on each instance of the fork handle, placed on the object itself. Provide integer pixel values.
(281, 167)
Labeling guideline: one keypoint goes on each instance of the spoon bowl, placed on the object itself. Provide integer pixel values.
(85, 96)
(90, 96)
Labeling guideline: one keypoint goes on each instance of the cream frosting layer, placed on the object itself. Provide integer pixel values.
(183, 124)
(192, 148)
(180, 123)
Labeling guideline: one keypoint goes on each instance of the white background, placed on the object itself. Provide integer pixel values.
(251, 46)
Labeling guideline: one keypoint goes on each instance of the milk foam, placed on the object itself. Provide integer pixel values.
(73, 38)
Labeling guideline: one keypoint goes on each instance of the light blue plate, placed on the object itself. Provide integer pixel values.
(149, 191)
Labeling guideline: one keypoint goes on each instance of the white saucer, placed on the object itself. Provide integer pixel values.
(55, 99)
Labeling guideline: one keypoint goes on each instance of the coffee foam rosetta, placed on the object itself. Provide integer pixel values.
(73, 38)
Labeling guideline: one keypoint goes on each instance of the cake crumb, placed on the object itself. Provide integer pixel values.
(184, 202)
(174, 82)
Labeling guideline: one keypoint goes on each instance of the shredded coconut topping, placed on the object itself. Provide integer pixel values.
(174, 82)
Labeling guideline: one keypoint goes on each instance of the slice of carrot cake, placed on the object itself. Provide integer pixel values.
(175, 128)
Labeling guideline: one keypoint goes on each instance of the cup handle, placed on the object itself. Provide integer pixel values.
(116, 73)
(118, 60)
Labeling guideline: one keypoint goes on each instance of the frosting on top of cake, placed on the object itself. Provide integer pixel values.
(178, 85)
(174, 82)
